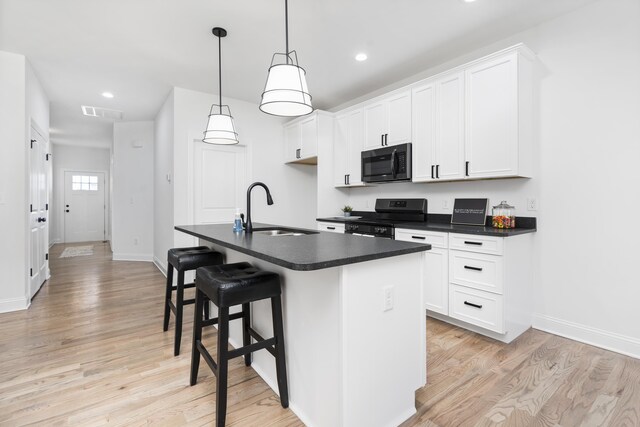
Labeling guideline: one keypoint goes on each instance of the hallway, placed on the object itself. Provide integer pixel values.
(91, 351)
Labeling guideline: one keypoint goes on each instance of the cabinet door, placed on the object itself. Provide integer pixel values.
(355, 147)
(423, 100)
(291, 141)
(341, 150)
(449, 147)
(491, 142)
(436, 280)
(309, 137)
(375, 124)
(399, 119)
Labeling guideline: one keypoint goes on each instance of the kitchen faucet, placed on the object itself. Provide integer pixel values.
(248, 228)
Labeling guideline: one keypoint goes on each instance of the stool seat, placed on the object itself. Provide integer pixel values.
(234, 284)
(192, 258)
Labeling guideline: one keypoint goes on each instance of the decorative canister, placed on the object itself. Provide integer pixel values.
(503, 215)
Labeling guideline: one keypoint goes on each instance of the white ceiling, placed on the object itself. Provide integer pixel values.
(139, 49)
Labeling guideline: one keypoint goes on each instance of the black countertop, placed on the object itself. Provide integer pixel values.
(304, 253)
(442, 223)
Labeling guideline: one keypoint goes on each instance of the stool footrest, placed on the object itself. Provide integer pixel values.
(214, 321)
(207, 357)
(266, 344)
(256, 336)
(185, 286)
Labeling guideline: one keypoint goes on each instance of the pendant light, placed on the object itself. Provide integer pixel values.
(220, 128)
(286, 93)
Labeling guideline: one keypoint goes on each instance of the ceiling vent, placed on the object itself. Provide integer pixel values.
(104, 113)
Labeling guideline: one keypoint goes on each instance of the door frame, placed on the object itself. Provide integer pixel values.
(107, 206)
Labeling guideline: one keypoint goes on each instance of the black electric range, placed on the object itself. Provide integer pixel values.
(388, 213)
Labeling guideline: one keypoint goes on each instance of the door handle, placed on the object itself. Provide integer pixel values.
(42, 219)
(466, 168)
(472, 304)
(468, 267)
(393, 163)
(432, 177)
(438, 171)
(386, 139)
(382, 140)
(67, 210)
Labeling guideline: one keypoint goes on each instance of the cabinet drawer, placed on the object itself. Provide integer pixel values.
(473, 243)
(437, 240)
(479, 308)
(330, 226)
(479, 271)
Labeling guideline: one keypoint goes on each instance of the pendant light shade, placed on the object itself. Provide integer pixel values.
(220, 128)
(286, 92)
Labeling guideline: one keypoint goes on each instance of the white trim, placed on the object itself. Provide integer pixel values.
(54, 242)
(618, 343)
(160, 265)
(132, 257)
(14, 304)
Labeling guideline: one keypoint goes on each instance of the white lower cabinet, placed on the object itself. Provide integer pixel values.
(481, 283)
(435, 267)
(331, 227)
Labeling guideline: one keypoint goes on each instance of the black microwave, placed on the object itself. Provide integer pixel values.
(387, 164)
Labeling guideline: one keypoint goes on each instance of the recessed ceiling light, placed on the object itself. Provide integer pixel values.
(107, 94)
(361, 57)
(468, 1)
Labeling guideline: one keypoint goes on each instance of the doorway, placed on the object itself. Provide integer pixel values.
(38, 211)
(84, 206)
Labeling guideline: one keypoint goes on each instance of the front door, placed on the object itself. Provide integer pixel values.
(84, 206)
(38, 217)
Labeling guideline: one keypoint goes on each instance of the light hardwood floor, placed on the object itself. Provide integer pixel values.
(91, 351)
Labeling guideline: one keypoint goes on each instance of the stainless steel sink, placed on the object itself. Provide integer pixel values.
(281, 231)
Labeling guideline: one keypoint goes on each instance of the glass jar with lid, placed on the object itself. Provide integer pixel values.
(503, 215)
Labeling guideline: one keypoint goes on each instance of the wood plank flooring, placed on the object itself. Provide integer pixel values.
(91, 351)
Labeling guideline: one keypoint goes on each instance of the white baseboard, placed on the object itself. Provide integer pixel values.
(622, 344)
(132, 257)
(54, 242)
(14, 304)
(161, 266)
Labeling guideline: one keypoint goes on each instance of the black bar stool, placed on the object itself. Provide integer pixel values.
(184, 259)
(228, 285)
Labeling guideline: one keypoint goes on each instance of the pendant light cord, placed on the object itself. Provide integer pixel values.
(220, 71)
(286, 27)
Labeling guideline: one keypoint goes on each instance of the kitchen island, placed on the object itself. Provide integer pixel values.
(353, 319)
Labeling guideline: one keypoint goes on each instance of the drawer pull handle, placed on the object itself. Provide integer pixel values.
(468, 267)
(418, 237)
(466, 242)
(472, 304)
(331, 228)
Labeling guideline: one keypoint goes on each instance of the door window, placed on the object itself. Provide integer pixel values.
(84, 183)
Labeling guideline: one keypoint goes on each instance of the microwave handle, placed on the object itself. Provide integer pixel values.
(393, 163)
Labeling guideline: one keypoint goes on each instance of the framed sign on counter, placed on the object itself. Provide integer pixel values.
(470, 211)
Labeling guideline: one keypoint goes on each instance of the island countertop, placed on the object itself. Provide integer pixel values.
(303, 253)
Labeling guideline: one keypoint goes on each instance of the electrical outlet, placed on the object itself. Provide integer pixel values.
(445, 204)
(388, 298)
(532, 204)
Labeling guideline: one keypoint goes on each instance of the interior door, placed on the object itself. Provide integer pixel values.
(84, 206)
(220, 182)
(38, 217)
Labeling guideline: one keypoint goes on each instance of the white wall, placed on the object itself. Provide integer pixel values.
(587, 176)
(132, 201)
(163, 182)
(74, 158)
(293, 187)
(22, 103)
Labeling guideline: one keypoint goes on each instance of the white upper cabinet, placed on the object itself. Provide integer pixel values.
(302, 136)
(438, 129)
(499, 97)
(388, 121)
(348, 145)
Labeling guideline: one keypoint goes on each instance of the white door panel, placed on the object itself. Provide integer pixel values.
(38, 217)
(84, 206)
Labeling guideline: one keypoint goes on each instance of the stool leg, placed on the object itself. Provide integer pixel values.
(246, 338)
(223, 365)
(197, 337)
(281, 367)
(167, 296)
(179, 307)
